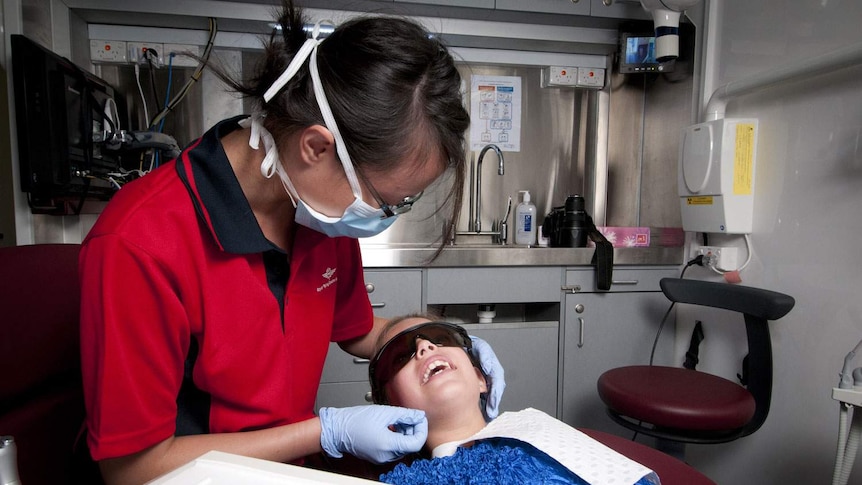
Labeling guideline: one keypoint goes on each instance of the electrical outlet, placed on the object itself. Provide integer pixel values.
(180, 51)
(591, 77)
(559, 76)
(138, 52)
(721, 257)
(108, 51)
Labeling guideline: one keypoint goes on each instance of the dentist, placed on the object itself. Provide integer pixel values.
(212, 286)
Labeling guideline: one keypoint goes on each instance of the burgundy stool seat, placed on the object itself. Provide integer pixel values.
(669, 470)
(672, 397)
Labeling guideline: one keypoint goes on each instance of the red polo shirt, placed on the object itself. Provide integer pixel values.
(176, 267)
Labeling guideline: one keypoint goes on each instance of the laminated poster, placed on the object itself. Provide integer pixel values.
(495, 112)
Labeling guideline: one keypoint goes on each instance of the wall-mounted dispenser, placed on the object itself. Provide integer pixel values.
(716, 176)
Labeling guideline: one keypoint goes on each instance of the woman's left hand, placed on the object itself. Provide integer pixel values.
(494, 370)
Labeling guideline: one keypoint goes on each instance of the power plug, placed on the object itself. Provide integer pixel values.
(721, 257)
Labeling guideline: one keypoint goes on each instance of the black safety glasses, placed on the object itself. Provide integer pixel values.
(389, 210)
(398, 351)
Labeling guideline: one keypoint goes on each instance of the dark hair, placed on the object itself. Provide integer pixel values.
(393, 89)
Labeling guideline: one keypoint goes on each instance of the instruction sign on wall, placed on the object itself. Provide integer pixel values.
(495, 112)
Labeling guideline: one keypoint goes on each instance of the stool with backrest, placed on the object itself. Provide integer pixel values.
(682, 405)
(41, 396)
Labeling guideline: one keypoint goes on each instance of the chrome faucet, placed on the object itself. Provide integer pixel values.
(476, 217)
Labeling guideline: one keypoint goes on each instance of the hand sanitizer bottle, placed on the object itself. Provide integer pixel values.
(8, 461)
(525, 221)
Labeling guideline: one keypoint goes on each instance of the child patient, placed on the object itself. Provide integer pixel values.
(425, 364)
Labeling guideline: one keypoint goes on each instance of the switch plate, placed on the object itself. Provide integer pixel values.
(180, 58)
(108, 51)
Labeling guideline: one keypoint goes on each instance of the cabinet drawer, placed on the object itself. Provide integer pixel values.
(343, 394)
(569, 7)
(494, 285)
(343, 367)
(624, 279)
(394, 293)
(618, 10)
(454, 3)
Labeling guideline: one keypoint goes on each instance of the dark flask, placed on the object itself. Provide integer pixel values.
(573, 234)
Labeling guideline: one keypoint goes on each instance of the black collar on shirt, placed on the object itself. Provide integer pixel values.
(215, 186)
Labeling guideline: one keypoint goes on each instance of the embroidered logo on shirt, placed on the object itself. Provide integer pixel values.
(328, 274)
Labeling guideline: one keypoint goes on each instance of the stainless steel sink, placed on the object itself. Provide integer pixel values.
(475, 253)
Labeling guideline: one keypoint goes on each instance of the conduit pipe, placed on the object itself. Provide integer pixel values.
(822, 64)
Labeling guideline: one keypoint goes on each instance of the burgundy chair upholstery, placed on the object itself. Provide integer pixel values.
(669, 470)
(690, 406)
(41, 398)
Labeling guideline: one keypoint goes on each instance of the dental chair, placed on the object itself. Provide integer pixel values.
(682, 405)
(41, 395)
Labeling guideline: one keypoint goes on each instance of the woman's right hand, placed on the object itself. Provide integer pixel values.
(375, 433)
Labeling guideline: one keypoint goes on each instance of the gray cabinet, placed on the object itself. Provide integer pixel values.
(528, 353)
(454, 3)
(345, 378)
(569, 7)
(528, 348)
(603, 330)
(522, 284)
(618, 9)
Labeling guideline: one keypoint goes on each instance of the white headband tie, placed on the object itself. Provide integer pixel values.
(296, 63)
(309, 48)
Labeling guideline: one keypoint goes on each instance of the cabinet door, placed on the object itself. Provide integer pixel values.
(603, 331)
(570, 7)
(528, 353)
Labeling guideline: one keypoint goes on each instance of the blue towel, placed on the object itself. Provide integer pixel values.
(498, 461)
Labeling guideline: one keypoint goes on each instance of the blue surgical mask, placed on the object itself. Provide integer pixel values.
(359, 218)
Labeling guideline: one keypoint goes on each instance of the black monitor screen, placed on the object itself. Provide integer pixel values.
(59, 107)
(637, 54)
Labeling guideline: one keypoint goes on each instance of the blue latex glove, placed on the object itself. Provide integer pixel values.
(492, 368)
(376, 433)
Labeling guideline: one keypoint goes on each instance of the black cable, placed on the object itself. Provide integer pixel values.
(204, 59)
(697, 260)
(152, 67)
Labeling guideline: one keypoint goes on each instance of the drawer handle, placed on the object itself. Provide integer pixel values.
(378, 305)
(625, 282)
(580, 332)
(358, 360)
(368, 397)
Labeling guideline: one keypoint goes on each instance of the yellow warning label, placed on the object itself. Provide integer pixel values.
(699, 200)
(743, 159)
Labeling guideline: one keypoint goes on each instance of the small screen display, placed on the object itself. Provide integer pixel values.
(640, 50)
(637, 54)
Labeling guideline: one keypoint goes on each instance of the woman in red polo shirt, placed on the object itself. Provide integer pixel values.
(212, 286)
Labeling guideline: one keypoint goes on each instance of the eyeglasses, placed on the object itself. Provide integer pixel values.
(389, 210)
(398, 351)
